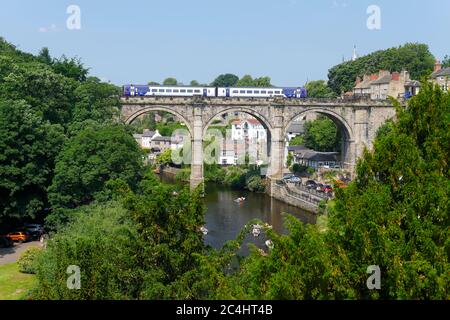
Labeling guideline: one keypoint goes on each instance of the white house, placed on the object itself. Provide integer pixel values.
(248, 129)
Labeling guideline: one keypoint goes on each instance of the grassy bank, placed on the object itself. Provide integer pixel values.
(14, 285)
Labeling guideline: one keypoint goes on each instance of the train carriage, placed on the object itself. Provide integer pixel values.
(189, 91)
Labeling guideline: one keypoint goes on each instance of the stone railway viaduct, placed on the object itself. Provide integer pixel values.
(358, 120)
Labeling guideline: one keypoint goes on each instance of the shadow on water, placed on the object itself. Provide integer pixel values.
(225, 218)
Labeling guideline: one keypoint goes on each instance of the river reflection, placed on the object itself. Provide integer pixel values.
(225, 218)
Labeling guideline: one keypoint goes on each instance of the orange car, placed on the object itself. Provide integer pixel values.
(18, 236)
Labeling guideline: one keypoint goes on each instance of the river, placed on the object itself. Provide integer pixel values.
(225, 218)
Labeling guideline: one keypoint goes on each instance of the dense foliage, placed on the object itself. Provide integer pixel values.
(139, 246)
(89, 160)
(29, 145)
(319, 89)
(413, 57)
(43, 102)
(322, 134)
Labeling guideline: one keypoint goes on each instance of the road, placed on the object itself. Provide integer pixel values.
(10, 255)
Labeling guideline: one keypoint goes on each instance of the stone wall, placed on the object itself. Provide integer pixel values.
(280, 192)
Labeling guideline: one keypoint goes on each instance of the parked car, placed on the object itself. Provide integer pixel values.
(295, 180)
(19, 236)
(288, 176)
(311, 184)
(35, 230)
(6, 242)
(327, 189)
(319, 187)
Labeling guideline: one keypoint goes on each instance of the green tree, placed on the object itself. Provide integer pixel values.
(446, 62)
(71, 68)
(321, 134)
(28, 147)
(50, 94)
(170, 82)
(44, 56)
(95, 102)
(90, 159)
(225, 80)
(297, 141)
(262, 82)
(164, 158)
(245, 81)
(195, 83)
(319, 89)
(153, 83)
(290, 159)
(102, 241)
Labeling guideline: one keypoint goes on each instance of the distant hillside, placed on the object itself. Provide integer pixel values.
(413, 57)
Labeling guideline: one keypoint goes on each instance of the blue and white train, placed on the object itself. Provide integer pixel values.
(189, 91)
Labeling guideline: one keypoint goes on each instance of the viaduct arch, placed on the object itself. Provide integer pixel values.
(359, 121)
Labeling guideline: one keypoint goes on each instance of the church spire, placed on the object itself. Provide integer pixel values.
(355, 55)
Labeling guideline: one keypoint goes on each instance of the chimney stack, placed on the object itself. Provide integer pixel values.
(437, 66)
(395, 76)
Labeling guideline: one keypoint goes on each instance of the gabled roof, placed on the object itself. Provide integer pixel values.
(383, 80)
(441, 73)
(316, 155)
(148, 134)
(296, 128)
(162, 138)
(298, 148)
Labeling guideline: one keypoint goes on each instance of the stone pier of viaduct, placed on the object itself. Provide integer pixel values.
(358, 121)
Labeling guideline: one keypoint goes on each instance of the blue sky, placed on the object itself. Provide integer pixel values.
(289, 40)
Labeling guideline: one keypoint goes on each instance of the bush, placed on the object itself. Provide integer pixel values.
(27, 260)
(101, 241)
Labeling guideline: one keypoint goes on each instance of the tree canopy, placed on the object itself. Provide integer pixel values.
(89, 160)
(319, 89)
(170, 82)
(28, 147)
(225, 80)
